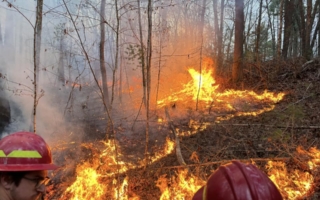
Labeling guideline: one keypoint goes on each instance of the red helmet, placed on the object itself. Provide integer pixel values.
(238, 181)
(25, 151)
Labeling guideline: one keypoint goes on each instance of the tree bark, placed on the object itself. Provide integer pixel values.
(220, 38)
(271, 30)
(280, 29)
(61, 75)
(258, 33)
(101, 53)
(36, 58)
(143, 66)
(288, 11)
(117, 52)
(149, 55)
(237, 69)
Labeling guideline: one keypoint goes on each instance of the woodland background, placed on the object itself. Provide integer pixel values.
(86, 70)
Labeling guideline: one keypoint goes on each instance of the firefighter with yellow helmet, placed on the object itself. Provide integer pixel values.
(238, 181)
(25, 159)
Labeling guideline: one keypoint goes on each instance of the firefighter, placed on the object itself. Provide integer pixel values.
(25, 159)
(238, 181)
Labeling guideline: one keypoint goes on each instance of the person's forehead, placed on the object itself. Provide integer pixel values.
(42, 173)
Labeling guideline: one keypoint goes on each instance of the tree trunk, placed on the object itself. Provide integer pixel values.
(149, 54)
(319, 34)
(117, 52)
(246, 39)
(238, 42)
(302, 28)
(103, 69)
(280, 29)
(258, 33)
(288, 11)
(143, 67)
(220, 38)
(271, 30)
(36, 58)
(61, 75)
(216, 27)
(309, 23)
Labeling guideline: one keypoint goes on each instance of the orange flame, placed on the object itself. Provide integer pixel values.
(296, 183)
(182, 187)
(204, 88)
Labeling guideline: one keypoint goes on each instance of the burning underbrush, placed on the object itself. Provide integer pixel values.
(102, 176)
(227, 125)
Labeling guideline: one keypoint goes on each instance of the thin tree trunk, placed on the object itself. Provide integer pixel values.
(302, 28)
(249, 28)
(117, 52)
(216, 27)
(143, 67)
(149, 54)
(220, 38)
(288, 11)
(203, 10)
(280, 29)
(258, 33)
(238, 42)
(271, 30)
(61, 75)
(319, 34)
(101, 52)
(229, 44)
(36, 58)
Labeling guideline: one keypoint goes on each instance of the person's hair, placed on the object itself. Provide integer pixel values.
(14, 177)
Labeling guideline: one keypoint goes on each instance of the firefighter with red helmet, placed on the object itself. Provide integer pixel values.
(238, 181)
(25, 159)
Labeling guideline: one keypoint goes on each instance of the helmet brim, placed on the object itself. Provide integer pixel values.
(26, 167)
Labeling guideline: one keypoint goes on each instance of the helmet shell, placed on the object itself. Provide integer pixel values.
(25, 151)
(238, 181)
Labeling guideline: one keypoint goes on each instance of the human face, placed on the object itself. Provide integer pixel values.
(31, 187)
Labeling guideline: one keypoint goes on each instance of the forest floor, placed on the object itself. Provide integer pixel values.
(273, 135)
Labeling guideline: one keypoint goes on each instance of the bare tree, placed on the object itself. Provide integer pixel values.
(238, 42)
(143, 67)
(36, 58)
(280, 29)
(101, 52)
(148, 83)
(288, 10)
(256, 50)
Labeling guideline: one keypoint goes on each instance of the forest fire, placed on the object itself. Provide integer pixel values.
(93, 182)
(203, 88)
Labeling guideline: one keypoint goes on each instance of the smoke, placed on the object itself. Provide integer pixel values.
(70, 101)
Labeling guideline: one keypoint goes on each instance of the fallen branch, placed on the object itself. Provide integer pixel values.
(177, 142)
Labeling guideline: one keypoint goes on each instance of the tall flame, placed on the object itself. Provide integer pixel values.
(203, 87)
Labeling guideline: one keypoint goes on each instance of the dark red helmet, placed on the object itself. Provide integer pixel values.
(238, 181)
(25, 151)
